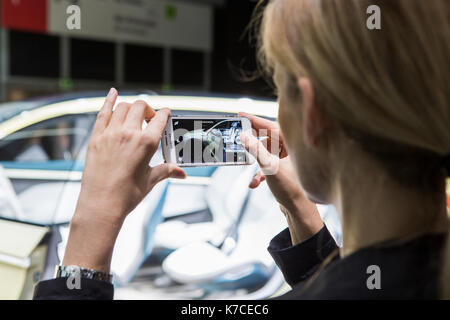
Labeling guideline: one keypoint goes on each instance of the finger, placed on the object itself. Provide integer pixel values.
(268, 163)
(139, 111)
(157, 124)
(119, 115)
(257, 179)
(164, 171)
(266, 128)
(104, 115)
(255, 147)
(259, 123)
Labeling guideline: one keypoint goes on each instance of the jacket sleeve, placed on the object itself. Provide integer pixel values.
(299, 262)
(57, 289)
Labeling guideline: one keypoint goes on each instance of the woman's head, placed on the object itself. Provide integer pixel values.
(342, 86)
(350, 96)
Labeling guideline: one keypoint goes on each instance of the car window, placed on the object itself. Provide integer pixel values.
(54, 139)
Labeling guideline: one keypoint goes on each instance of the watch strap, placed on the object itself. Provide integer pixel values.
(75, 271)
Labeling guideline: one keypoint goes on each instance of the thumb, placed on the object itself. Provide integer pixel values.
(268, 163)
(164, 171)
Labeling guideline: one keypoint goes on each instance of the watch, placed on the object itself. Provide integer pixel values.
(75, 271)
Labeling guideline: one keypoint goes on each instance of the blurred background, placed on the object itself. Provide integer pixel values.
(188, 45)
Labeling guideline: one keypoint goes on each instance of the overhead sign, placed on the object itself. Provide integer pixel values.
(29, 15)
(156, 22)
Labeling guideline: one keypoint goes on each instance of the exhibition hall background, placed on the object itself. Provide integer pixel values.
(195, 46)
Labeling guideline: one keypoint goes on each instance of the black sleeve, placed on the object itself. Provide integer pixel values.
(57, 289)
(299, 262)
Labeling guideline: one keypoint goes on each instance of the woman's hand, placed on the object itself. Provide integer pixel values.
(277, 169)
(116, 178)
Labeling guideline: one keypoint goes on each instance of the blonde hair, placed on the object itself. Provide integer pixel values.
(388, 88)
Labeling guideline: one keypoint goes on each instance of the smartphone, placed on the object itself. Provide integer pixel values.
(191, 141)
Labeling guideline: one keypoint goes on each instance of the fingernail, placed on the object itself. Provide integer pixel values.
(111, 92)
(179, 174)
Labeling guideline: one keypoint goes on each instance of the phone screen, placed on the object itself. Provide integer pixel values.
(200, 141)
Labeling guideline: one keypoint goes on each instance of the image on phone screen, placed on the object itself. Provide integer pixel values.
(200, 141)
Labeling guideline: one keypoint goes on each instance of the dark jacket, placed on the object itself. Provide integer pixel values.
(408, 270)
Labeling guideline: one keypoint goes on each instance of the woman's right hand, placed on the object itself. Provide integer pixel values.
(116, 178)
(277, 169)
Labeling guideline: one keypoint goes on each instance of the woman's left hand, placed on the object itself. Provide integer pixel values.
(116, 178)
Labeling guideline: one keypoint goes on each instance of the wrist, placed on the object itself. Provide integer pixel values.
(107, 219)
(99, 208)
(294, 201)
(91, 241)
(303, 220)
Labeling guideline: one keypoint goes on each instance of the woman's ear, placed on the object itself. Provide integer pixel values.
(314, 123)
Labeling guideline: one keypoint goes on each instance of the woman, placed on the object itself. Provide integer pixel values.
(364, 117)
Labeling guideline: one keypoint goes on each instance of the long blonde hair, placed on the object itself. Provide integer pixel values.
(389, 89)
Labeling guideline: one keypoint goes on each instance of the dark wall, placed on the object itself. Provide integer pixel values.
(233, 54)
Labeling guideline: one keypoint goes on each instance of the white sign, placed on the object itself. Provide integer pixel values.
(156, 22)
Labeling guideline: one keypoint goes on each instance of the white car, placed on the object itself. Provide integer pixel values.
(213, 213)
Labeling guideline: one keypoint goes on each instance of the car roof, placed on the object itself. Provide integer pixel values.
(37, 112)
